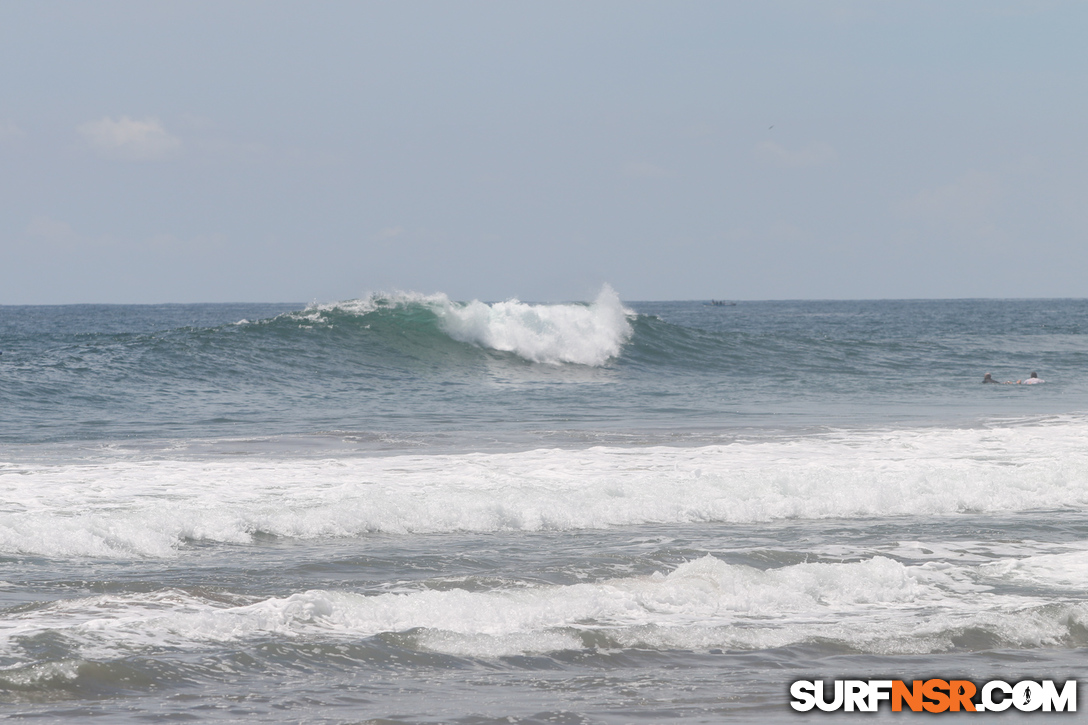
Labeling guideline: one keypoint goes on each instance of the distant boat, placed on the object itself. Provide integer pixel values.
(723, 303)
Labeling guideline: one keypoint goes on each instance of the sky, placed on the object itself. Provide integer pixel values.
(162, 151)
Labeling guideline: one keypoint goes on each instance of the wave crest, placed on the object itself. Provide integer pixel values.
(583, 334)
(875, 605)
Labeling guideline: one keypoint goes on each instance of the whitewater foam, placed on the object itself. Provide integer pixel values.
(130, 508)
(874, 605)
(584, 334)
(588, 335)
(1066, 570)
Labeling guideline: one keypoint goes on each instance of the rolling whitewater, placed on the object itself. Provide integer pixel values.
(405, 508)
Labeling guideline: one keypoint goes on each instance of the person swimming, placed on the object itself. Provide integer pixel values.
(1033, 380)
(988, 378)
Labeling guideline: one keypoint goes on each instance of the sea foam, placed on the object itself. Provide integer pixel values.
(132, 508)
(585, 334)
(588, 335)
(873, 605)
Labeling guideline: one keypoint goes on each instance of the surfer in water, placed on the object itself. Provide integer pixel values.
(1033, 379)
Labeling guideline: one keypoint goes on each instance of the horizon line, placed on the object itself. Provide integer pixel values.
(735, 300)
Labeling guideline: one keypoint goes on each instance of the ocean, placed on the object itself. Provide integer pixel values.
(407, 509)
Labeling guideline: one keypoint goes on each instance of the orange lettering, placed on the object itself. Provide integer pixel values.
(932, 690)
(961, 692)
(913, 696)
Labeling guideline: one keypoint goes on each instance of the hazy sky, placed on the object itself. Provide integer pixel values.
(271, 151)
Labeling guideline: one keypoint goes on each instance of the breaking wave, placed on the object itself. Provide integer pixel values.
(131, 508)
(585, 334)
(875, 605)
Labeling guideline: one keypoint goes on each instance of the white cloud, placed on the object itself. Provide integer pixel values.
(814, 155)
(967, 200)
(10, 132)
(390, 233)
(130, 139)
(42, 227)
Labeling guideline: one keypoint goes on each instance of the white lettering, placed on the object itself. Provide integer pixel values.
(879, 690)
(834, 704)
(987, 695)
(1027, 696)
(857, 696)
(804, 697)
(994, 696)
(1066, 701)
